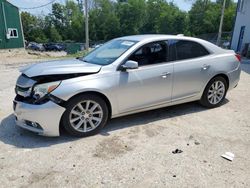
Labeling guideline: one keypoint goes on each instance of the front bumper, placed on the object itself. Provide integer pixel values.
(45, 116)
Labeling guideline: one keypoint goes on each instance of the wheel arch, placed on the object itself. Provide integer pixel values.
(96, 93)
(104, 97)
(203, 99)
(223, 75)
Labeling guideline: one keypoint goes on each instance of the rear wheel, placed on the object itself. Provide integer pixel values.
(85, 115)
(214, 93)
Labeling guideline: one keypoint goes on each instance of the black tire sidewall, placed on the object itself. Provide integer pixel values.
(72, 102)
(204, 100)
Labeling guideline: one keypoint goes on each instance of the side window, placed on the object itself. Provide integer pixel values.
(171, 50)
(151, 53)
(189, 49)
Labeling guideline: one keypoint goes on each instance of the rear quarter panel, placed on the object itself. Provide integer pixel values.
(225, 63)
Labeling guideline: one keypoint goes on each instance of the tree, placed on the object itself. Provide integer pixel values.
(229, 16)
(131, 15)
(104, 23)
(204, 16)
(73, 22)
(54, 35)
(109, 19)
(172, 20)
(33, 28)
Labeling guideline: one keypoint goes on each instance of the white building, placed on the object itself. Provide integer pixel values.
(241, 32)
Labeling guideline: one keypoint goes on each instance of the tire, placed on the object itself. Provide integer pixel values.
(85, 116)
(206, 99)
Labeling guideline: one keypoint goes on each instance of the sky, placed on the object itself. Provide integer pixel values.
(182, 4)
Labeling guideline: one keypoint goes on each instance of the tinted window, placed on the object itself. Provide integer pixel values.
(189, 49)
(171, 50)
(152, 53)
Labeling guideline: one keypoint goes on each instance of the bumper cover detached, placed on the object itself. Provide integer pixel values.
(43, 119)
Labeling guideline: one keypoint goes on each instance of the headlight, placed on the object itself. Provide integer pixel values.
(41, 90)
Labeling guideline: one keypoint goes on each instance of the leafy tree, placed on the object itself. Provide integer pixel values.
(154, 9)
(33, 28)
(229, 16)
(204, 16)
(172, 20)
(109, 19)
(54, 35)
(131, 15)
(74, 22)
(104, 24)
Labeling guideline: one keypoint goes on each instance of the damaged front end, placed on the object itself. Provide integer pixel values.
(35, 84)
(37, 89)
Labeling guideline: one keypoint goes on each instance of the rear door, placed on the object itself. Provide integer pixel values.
(191, 69)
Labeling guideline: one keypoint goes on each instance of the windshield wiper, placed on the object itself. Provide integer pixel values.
(82, 59)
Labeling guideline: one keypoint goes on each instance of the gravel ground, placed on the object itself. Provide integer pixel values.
(133, 151)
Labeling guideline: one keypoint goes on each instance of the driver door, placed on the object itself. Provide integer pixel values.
(151, 83)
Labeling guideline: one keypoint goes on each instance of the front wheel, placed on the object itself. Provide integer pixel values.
(85, 115)
(214, 93)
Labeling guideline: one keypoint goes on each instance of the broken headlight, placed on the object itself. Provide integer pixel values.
(42, 90)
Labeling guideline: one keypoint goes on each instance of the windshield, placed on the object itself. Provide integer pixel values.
(109, 52)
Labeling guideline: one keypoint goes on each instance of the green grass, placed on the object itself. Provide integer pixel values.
(78, 54)
(68, 56)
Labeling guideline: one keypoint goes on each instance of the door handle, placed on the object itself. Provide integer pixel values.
(165, 74)
(205, 67)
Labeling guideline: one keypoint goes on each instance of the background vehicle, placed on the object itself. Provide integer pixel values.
(124, 76)
(54, 47)
(35, 46)
(96, 45)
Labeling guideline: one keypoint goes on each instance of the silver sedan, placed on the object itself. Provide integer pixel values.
(124, 76)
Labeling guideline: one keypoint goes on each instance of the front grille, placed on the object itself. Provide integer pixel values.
(18, 88)
(25, 92)
(28, 100)
(24, 85)
(24, 81)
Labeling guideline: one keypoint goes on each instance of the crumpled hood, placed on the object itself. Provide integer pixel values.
(60, 67)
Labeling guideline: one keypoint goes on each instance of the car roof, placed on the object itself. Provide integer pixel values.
(154, 37)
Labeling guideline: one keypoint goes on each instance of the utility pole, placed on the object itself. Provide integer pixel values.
(221, 22)
(86, 25)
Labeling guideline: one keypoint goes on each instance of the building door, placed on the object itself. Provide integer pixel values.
(242, 30)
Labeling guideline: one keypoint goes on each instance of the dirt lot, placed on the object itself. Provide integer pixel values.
(133, 151)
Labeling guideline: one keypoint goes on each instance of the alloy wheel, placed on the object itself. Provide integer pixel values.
(86, 115)
(216, 92)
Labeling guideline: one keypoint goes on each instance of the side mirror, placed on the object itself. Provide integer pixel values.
(130, 65)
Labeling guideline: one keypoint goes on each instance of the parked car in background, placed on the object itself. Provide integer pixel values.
(226, 44)
(96, 45)
(124, 76)
(54, 47)
(35, 46)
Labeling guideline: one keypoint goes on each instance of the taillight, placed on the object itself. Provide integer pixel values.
(238, 57)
